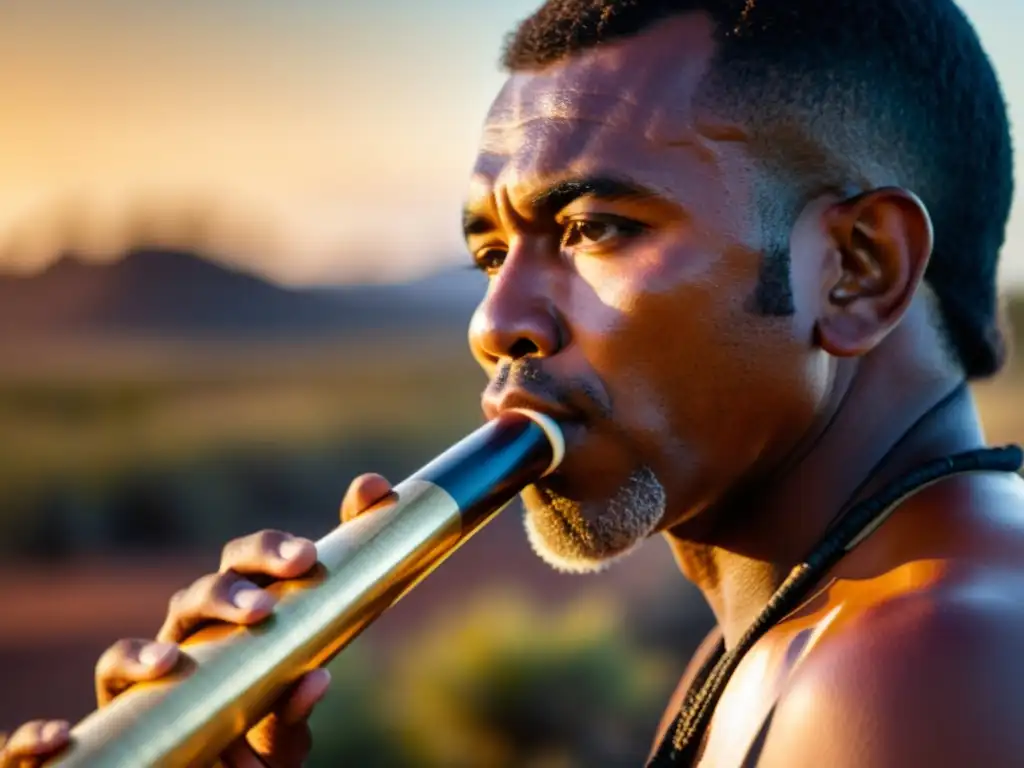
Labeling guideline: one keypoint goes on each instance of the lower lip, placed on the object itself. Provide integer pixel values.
(572, 434)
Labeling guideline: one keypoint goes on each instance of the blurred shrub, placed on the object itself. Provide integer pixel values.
(671, 622)
(501, 683)
(352, 726)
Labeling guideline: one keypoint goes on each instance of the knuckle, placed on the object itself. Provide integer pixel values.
(196, 597)
(267, 541)
(174, 604)
(113, 658)
(229, 552)
(120, 650)
(30, 730)
(209, 588)
(249, 550)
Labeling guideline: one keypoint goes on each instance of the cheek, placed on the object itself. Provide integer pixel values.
(814, 270)
(694, 375)
(653, 326)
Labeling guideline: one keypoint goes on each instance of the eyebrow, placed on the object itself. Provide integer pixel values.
(548, 202)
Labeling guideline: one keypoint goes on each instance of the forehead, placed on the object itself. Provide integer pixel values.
(624, 108)
(639, 83)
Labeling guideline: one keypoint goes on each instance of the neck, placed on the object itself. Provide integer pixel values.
(885, 426)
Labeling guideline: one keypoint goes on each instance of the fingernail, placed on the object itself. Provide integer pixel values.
(248, 596)
(53, 730)
(154, 653)
(322, 683)
(325, 681)
(290, 548)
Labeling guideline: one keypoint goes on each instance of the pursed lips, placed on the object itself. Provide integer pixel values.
(516, 397)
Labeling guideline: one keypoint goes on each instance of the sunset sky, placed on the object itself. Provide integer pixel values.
(331, 138)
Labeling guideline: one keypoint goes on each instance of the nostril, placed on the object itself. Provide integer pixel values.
(523, 348)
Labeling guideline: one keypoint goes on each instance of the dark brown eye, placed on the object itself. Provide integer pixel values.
(489, 260)
(595, 232)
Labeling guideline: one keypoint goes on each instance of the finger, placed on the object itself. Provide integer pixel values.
(364, 494)
(283, 737)
(273, 553)
(216, 597)
(241, 755)
(308, 692)
(37, 739)
(131, 661)
(279, 744)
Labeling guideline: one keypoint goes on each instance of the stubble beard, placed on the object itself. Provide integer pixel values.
(587, 537)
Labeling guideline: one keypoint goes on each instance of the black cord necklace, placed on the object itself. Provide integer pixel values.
(682, 742)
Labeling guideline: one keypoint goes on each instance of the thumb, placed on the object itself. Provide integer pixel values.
(364, 494)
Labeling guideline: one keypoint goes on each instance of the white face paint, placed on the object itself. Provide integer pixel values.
(586, 537)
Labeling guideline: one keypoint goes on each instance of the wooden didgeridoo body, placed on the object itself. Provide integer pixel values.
(229, 677)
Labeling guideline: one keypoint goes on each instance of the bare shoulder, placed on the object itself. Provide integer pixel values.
(930, 678)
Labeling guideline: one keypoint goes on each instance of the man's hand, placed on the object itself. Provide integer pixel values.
(282, 739)
(33, 743)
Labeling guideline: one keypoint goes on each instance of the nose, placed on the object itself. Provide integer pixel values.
(517, 318)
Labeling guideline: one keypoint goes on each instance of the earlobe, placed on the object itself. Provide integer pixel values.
(882, 242)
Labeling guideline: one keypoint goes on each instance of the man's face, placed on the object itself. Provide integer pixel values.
(619, 230)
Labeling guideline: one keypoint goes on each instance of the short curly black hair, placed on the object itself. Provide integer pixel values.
(845, 94)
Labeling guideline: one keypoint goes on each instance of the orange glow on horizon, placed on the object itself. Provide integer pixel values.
(320, 142)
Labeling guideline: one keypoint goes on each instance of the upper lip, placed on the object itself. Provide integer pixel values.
(520, 398)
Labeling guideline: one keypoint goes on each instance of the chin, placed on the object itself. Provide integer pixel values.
(574, 536)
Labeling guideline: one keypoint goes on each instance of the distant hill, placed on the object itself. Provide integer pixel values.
(178, 295)
(175, 294)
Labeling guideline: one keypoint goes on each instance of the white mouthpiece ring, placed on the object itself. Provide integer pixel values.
(554, 435)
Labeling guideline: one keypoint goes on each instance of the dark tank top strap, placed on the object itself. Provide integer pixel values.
(681, 743)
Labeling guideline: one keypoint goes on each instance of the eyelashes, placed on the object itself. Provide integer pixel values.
(591, 234)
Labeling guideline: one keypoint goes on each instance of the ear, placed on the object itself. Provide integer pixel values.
(883, 240)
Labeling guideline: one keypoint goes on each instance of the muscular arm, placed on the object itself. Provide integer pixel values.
(920, 683)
